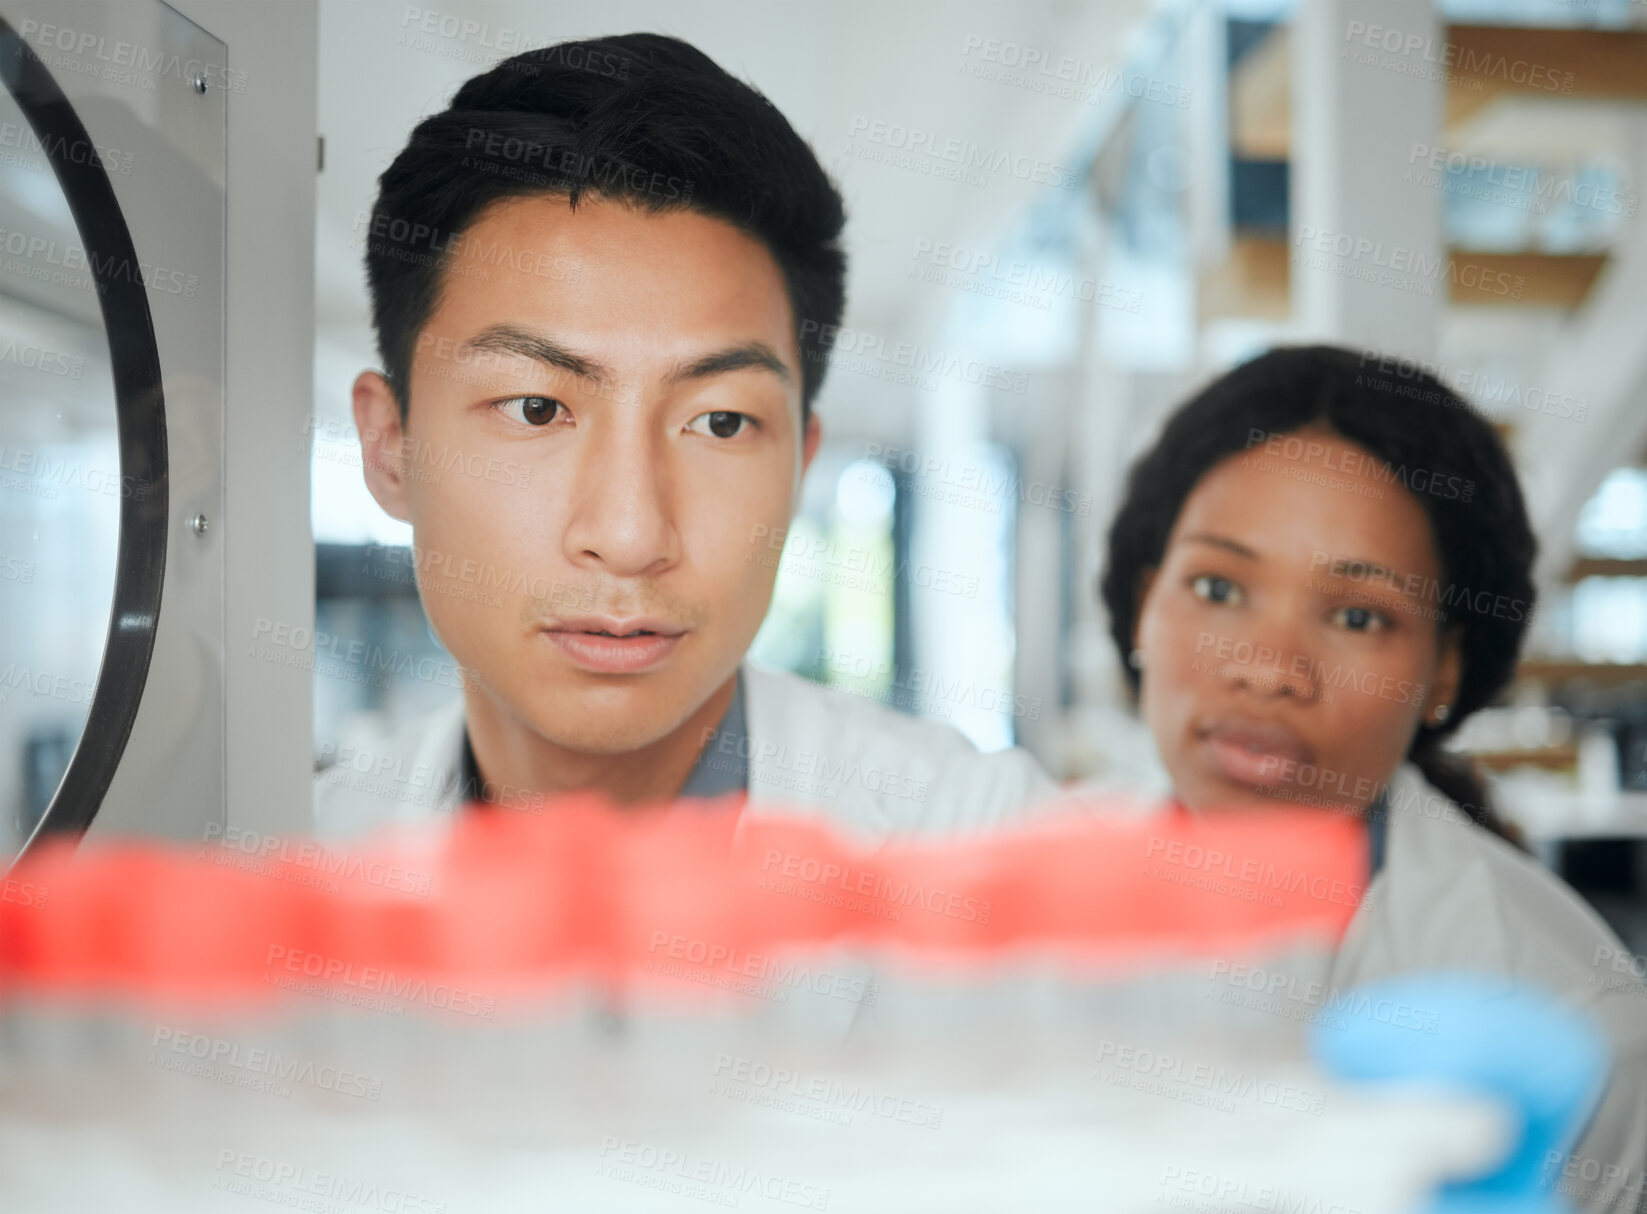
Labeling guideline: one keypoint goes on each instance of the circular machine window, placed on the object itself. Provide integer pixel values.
(83, 489)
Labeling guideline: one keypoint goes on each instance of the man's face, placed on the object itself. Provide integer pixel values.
(604, 418)
(1290, 640)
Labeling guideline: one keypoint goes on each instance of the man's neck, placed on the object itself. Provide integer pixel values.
(515, 761)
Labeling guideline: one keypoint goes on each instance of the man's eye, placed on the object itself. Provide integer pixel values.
(1216, 589)
(529, 410)
(720, 424)
(1360, 619)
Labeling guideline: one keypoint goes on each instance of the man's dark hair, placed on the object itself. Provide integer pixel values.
(1414, 423)
(642, 118)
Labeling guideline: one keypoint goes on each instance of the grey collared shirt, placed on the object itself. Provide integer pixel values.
(722, 765)
(1378, 828)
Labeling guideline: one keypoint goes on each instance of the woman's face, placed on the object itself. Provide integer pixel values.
(1290, 639)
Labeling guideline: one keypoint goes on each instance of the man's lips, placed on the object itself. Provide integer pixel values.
(612, 625)
(607, 645)
(1251, 751)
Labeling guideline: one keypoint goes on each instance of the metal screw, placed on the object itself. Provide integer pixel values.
(198, 523)
(200, 83)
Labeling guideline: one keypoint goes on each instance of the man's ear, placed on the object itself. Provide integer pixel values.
(1449, 672)
(809, 441)
(810, 438)
(377, 418)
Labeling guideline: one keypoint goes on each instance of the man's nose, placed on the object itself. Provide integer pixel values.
(621, 517)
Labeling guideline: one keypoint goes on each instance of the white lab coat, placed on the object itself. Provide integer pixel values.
(1452, 896)
(865, 769)
(868, 770)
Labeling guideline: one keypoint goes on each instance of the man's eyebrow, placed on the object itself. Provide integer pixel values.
(509, 339)
(1221, 541)
(755, 354)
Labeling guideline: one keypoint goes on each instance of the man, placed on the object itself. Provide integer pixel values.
(599, 281)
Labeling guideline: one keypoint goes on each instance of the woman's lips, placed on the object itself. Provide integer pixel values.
(1255, 753)
(614, 649)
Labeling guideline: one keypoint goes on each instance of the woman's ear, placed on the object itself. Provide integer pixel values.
(1146, 579)
(1449, 677)
(377, 420)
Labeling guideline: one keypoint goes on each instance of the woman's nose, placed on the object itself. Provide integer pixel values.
(1272, 662)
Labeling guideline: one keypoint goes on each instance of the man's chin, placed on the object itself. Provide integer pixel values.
(603, 716)
(592, 735)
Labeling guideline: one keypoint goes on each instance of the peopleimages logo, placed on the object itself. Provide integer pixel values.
(497, 153)
(1355, 463)
(309, 854)
(874, 885)
(1449, 598)
(747, 1079)
(923, 692)
(56, 262)
(1281, 988)
(352, 659)
(428, 29)
(963, 154)
(335, 971)
(854, 347)
(1013, 281)
(1173, 856)
(1620, 970)
(698, 960)
(291, 1184)
(686, 1174)
(1235, 655)
(970, 483)
(1212, 1193)
(51, 146)
(813, 772)
(1118, 1063)
(1063, 76)
(393, 236)
(852, 566)
(1420, 56)
(1399, 267)
(42, 358)
(219, 1058)
(1480, 176)
(1392, 373)
(41, 473)
(90, 49)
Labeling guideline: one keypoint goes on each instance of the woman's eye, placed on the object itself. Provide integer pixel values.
(530, 410)
(1216, 589)
(1360, 619)
(720, 424)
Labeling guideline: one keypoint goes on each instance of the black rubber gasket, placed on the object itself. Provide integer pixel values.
(140, 567)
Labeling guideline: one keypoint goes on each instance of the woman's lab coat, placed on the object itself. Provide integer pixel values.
(1452, 896)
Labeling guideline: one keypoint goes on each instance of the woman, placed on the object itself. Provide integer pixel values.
(1318, 571)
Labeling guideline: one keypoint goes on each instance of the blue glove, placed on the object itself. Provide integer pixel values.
(1513, 1043)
